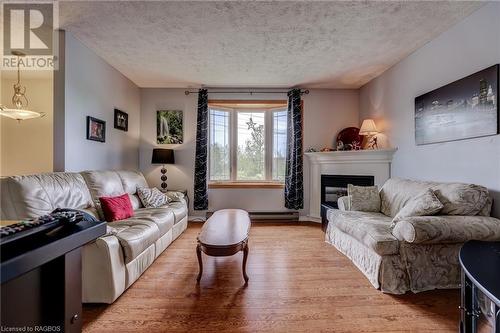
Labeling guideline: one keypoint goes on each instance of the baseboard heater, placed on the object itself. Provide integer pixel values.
(291, 215)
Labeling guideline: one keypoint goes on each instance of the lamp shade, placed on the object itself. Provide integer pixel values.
(368, 127)
(163, 156)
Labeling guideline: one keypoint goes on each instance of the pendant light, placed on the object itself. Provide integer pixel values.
(20, 110)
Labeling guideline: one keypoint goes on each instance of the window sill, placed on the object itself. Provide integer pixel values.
(262, 185)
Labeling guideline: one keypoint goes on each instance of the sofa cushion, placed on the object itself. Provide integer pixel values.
(461, 199)
(396, 193)
(364, 198)
(103, 183)
(371, 229)
(135, 235)
(131, 180)
(36, 195)
(112, 183)
(486, 210)
(426, 203)
(457, 198)
(163, 217)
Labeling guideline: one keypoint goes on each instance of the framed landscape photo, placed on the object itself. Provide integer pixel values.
(464, 109)
(96, 129)
(121, 120)
(169, 127)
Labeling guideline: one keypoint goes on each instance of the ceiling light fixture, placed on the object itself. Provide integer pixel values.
(19, 100)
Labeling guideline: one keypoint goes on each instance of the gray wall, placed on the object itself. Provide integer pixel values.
(471, 45)
(326, 112)
(94, 88)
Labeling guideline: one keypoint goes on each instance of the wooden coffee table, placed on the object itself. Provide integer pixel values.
(224, 234)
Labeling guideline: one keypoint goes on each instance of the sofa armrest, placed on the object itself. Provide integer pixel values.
(344, 203)
(447, 229)
(103, 270)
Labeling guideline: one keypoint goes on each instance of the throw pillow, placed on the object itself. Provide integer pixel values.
(424, 204)
(116, 208)
(364, 198)
(152, 197)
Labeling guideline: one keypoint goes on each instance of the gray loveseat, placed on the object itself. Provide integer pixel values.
(419, 253)
(113, 262)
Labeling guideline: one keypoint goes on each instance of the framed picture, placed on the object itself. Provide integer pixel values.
(464, 109)
(121, 120)
(169, 128)
(96, 129)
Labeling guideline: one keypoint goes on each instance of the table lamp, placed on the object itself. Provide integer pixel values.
(369, 129)
(163, 156)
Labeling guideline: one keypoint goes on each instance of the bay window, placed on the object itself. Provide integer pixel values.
(247, 142)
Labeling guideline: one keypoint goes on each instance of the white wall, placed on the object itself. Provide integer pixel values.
(325, 113)
(468, 47)
(26, 146)
(94, 88)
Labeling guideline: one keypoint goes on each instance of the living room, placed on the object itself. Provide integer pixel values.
(349, 150)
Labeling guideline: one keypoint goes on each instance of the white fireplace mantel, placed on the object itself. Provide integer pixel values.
(376, 163)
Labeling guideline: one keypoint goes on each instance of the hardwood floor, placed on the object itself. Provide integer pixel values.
(298, 283)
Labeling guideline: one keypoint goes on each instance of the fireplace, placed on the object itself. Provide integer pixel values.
(334, 187)
(372, 162)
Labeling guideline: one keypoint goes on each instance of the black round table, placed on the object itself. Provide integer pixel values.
(480, 262)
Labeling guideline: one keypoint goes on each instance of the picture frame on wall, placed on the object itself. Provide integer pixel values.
(96, 129)
(464, 109)
(169, 127)
(121, 120)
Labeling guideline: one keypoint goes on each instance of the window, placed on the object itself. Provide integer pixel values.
(251, 145)
(279, 144)
(247, 143)
(219, 145)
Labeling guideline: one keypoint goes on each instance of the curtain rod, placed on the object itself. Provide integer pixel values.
(302, 92)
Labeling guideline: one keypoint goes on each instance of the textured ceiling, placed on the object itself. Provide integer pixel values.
(340, 44)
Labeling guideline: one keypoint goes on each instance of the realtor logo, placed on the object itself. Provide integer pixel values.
(28, 28)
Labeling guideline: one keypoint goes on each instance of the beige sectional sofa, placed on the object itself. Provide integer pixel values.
(418, 253)
(113, 262)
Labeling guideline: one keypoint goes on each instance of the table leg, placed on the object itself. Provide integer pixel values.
(497, 319)
(244, 265)
(469, 312)
(200, 263)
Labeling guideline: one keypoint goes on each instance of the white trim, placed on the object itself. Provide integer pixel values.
(352, 156)
(268, 145)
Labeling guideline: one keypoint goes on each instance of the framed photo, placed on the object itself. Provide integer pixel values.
(121, 120)
(96, 129)
(464, 109)
(169, 128)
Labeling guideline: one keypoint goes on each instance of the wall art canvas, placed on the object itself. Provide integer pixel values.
(96, 129)
(121, 120)
(467, 108)
(169, 127)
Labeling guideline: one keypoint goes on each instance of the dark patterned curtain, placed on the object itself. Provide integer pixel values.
(294, 186)
(200, 162)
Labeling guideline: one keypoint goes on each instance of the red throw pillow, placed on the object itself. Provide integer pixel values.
(116, 208)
